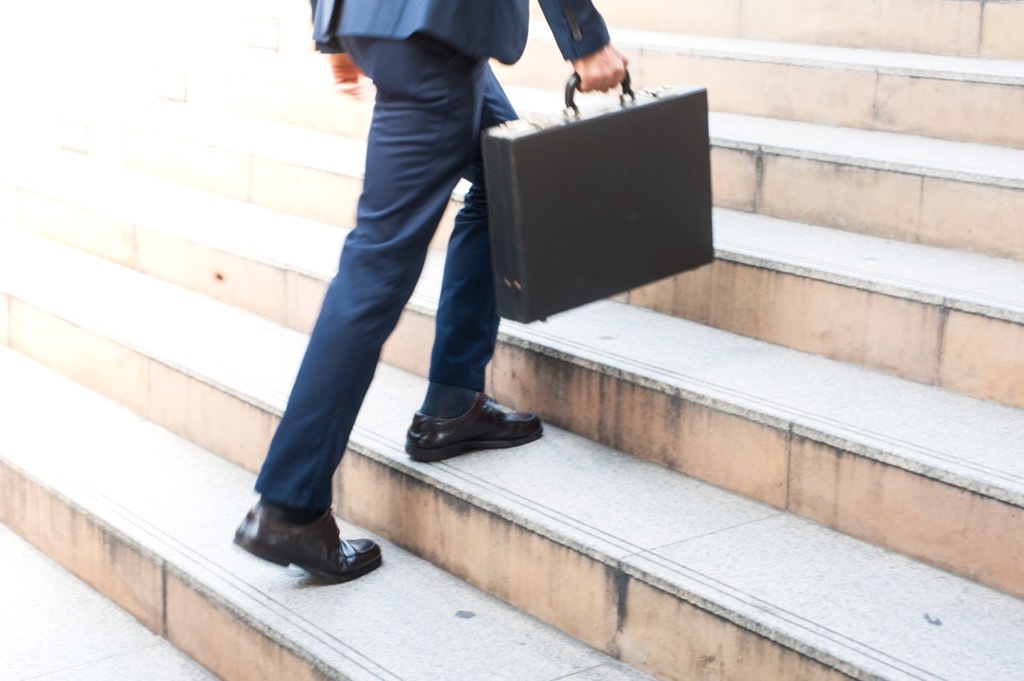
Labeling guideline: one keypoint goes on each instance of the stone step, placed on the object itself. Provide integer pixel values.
(955, 98)
(914, 311)
(55, 628)
(843, 446)
(910, 310)
(959, 27)
(669, 574)
(955, 195)
(147, 517)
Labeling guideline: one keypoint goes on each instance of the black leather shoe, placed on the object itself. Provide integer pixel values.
(315, 547)
(487, 425)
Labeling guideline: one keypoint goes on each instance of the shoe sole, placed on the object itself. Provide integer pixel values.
(272, 556)
(457, 448)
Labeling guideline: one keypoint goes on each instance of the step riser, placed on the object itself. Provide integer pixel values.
(311, 193)
(281, 99)
(973, 536)
(236, 430)
(143, 586)
(960, 28)
(909, 513)
(994, 373)
(721, 448)
(928, 343)
(910, 104)
(103, 561)
(892, 334)
(1002, 30)
(326, 197)
(924, 342)
(886, 203)
(260, 288)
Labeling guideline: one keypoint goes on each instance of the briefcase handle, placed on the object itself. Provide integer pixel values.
(574, 84)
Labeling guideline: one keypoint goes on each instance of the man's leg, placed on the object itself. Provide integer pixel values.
(467, 319)
(422, 138)
(456, 417)
(425, 120)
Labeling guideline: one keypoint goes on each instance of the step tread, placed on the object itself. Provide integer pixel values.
(927, 430)
(714, 548)
(388, 625)
(57, 628)
(917, 65)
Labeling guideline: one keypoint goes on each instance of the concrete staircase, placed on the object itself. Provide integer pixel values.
(804, 461)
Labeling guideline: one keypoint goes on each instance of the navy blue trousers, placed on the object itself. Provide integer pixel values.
(432, 103)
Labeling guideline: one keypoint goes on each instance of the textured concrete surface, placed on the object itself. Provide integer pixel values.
(609, 506)
(721, 551)
(180, 505)
(55, 628)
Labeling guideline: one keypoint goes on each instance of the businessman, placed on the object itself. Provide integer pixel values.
(435, 92)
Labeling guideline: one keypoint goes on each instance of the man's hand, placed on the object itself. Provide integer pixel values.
(601, 70)
(347, 76)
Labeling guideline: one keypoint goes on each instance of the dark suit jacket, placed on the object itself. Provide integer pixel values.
(479, 28)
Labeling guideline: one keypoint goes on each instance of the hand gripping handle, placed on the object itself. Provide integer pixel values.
(574, 84)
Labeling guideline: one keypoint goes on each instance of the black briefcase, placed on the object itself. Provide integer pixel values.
(585, 206)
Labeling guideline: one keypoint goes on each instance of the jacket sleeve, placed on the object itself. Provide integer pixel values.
(323, 27)
(578, 27)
